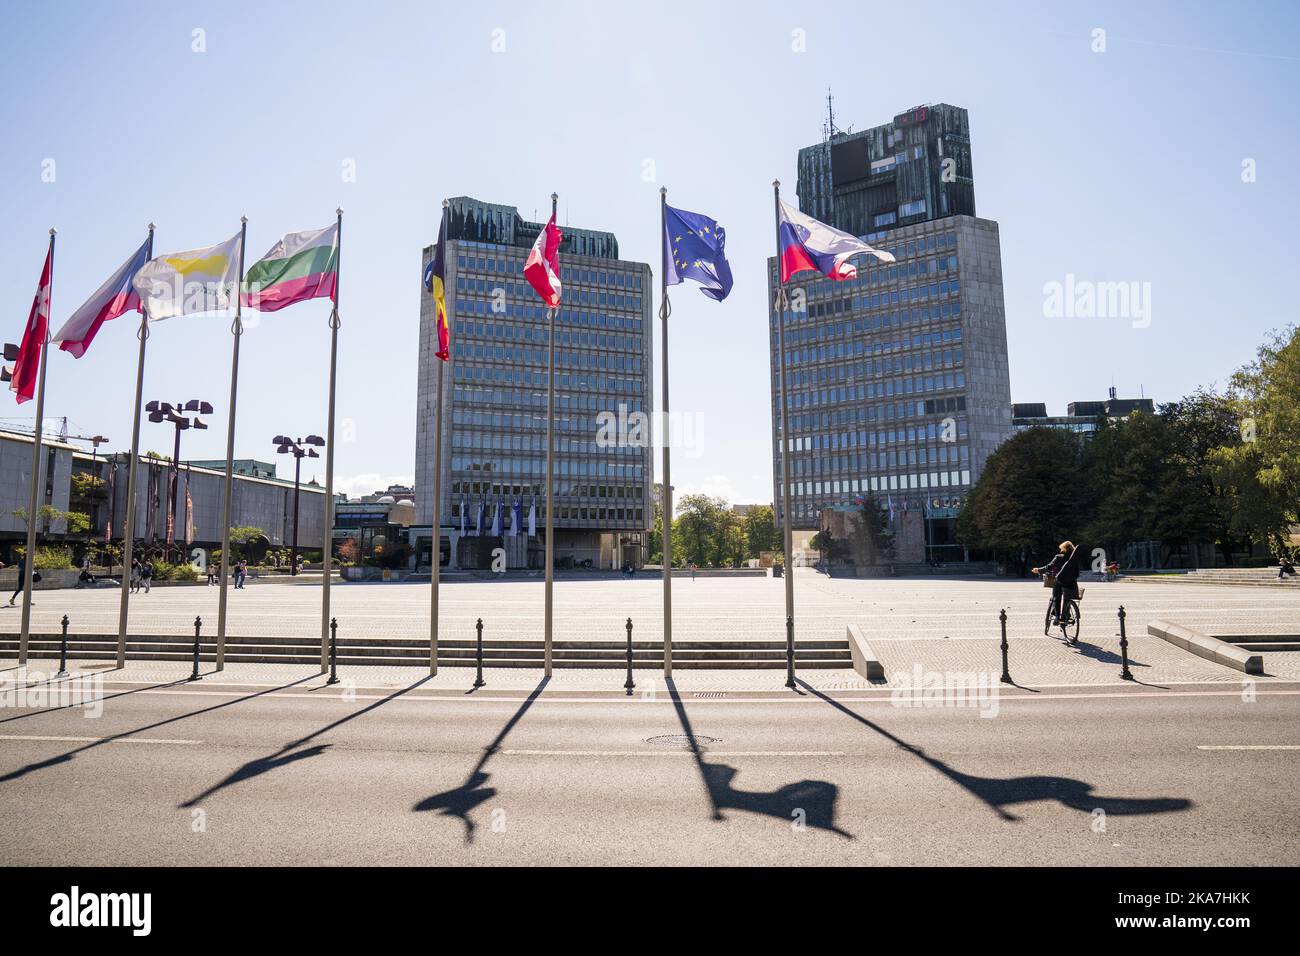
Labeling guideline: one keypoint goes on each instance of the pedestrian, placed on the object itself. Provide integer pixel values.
(135, 575)
(22, 570)
(241, 573)
(146, 574)
(212, 572)
(694, 567)
(1285, 568)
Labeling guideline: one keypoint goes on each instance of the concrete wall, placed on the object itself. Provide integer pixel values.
(15, 481)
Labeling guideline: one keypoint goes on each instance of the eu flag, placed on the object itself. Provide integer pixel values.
(695, 247)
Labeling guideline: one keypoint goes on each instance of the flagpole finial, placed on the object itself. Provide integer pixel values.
(554, 196)
(243, 220)
(446, 203)
(339, 211)
(776, 184)
(53, 231)
(663, 190)
(151, 227)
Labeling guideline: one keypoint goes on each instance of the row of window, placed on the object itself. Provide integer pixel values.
(886, 483)
(517, 355)
(618, 278)
(873, 390)
(524, 376)
(517, 467)
(563, 337)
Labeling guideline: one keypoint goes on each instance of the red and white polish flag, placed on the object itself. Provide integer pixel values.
(26, 367)
(542, 270)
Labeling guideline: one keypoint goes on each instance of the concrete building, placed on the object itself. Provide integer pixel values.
(262, 502)
(898, 382)
(1080, 417)
(494, 393)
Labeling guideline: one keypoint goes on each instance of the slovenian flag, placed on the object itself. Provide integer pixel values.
(542, 270)
(807, 244)
(115, 297)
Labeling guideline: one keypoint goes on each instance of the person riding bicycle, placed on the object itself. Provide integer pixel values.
(1065, 566)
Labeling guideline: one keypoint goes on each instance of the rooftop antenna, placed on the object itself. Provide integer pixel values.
(829, 129)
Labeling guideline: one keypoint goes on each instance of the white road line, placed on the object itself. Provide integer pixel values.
(704, 751)
(99, 740)
(1248, 747)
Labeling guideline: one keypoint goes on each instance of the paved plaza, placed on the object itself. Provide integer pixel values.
(941, 624)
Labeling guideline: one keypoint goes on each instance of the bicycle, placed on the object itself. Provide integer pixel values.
(1071, 616)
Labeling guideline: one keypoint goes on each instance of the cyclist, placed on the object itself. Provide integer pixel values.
(1065, 566)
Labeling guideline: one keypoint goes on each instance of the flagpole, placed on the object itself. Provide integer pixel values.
(435, 545)
(128, 522)
(787, 533)
(550, 480)
(327, 550)
(32, 518)
(665, 310)
(237, 330)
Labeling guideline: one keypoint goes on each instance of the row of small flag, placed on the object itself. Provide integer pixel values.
(304, 265)
(496, 528)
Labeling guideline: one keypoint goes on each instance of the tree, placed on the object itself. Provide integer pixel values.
(74, 521)
(1025, 501)
(870, 540)
(760, 530)
(700, 528)
(1266, 397)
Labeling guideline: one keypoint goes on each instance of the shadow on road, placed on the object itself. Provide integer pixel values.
(815, 799)
(460, 801)
(998, 793)
(66, 757)
(289, 753)
(106, 697)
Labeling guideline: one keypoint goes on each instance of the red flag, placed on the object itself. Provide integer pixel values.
(28, 363)
(542, 270)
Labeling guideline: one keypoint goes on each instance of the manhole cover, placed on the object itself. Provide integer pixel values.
(682, 741)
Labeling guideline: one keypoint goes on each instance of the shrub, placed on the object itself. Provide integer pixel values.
(53, 559)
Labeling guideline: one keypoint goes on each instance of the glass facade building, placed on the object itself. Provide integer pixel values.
(494, 432)
(897, 381)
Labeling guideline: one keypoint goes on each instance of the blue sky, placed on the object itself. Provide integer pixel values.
(1123, 165)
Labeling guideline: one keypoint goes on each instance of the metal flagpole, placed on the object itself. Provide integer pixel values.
(237, 330)
(788, 536)
(32, 516)
(665, 310)
(550, 475)
(327, 551)
(435, 545)
(128, 525)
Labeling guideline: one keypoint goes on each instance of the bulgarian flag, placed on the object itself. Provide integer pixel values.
(301, 266)
(542, 270)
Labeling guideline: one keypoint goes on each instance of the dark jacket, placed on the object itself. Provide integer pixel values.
(1065, 567)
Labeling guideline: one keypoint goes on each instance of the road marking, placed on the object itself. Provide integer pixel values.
(1248, 747)
(704, 751)
(99, 740)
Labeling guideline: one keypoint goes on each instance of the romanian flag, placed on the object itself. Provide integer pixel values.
(435, 275)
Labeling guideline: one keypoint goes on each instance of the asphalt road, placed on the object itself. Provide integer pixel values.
(246, 776)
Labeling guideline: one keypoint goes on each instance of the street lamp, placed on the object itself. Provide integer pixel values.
(167, 412)
(300, 449)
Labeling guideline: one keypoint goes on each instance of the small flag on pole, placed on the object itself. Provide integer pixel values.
(532, 519)
(435, 277)
(301, 266)
(115, 297)
(695, 248)
(542, 270)
(807, 244)
(22, 375)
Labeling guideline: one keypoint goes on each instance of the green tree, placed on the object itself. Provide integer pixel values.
(760, 531)
(869, 540)
(75, 521)
(1025, 501)
(699, 530)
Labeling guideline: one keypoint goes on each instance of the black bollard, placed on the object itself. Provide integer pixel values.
(198, 628)
(334, 651)
(1006, 672)
(478, 654)
(1125, 673)
(63, 650)
(789, 652)
(629, 684)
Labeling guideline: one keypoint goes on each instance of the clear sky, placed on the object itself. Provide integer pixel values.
(1122, 165)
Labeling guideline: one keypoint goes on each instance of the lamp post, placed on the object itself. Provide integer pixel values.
(167, 412)
(300, 449)
(95, 442)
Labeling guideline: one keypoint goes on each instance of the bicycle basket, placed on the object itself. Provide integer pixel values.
(1049, 580)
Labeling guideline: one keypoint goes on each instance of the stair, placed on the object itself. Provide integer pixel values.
(691, 655)
(1242, 577)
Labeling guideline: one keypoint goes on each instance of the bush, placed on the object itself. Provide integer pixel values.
(53, 559)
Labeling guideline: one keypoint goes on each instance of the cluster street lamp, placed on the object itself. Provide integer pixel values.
(300, 449)
(167, 412)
